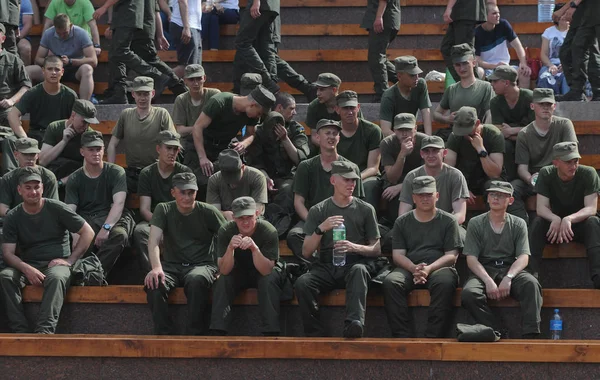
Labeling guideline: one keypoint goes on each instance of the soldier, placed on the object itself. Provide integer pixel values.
(497, 253)
(15, 81)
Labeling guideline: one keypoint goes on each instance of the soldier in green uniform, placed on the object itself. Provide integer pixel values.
(154, 187)
(425, 248)
(15, 81)
(567, 207)
(497, 253)
(361, 247)
(181, 235)
(382, 20)
(9, 21)
(247, 249)
(40, 227)
(409, 95)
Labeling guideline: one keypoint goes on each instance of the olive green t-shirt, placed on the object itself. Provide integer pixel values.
(140, 135)
(94, 196)
(54, 135)
(128, 13)
(187, 239)
(152, 184)
(44, 236)
(566, 198)
(253, 184)
(535, 150)
(450, 183)
(186, 113)
(265, 237)
(473, 10)
(317, 111)
(390, 149)
(44, 108)
(9, 195)
(225, 123)
(357, 147)
(425, 242)
(519, 116)
(393, 103)
(488, 246)
(12, 77)
(478, 96)
(359, 219)
(391, 16)
(312, 181)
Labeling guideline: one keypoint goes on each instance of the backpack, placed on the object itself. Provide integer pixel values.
(88, 271)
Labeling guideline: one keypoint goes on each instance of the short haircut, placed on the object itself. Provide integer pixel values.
(284, 98)
(61, 21)
(52, 59)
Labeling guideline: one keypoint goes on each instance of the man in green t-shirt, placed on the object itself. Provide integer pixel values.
(425, 248)
(40, 228)
(247, 249)
(409, 95)
(567, 207)
(360, 247)
(80, 13)
(181, 235)
(497, 254)
(97, 192)
(62, 140)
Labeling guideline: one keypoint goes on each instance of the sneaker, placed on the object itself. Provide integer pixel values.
(178, 88)
(353, 329)
(94, 100)
(572, 96)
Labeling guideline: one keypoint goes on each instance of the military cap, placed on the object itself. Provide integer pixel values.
(461, 53)
(263, 97)
(405, 121)
(344, 168)
(328, 123)
(185, 181)
(504, 72)
(2, 28)
(347, 98)
(407, 64)
(464, 121)
(29, 173)
(328, 80)
(543, 95)
(501, 187)
(273, 118)
(565, 151)
(248, 82)
(432, 142)
(193, 71)
(86, 109)
(231, 166)
(424, 185)
(27, 145)
(169, 138)
(243, 206)
(143, 84)
(92, 138)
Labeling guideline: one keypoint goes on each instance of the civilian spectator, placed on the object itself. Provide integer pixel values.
(25, 24)
(222, 12)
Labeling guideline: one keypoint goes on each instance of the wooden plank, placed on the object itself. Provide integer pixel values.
(361, 3)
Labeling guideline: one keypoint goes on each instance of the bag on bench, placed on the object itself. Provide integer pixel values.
(88, 271)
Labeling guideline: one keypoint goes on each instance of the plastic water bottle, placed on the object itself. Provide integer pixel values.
(545, 10)
(556, 326)
(339, 257)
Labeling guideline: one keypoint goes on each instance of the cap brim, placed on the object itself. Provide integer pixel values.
(425, 190)
(462, 130)
(93, 144)
(436, 146)
(545, 100)
(348, 103)
(350, 175)
(172, 143)
(499, 190)
(330, 125)
(194, 75)
(91, 120)
(323, 84)
(462, 58)
(493, 76)
(231, 177)
(187, 186)
(30, 178)
(29, 151)
(246, 212)
(404, 126)
(570, 156)
(413, 71)
(143, 88)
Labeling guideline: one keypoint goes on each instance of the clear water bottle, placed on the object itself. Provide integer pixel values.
(339, 257)
(545, 10)
(556, 326)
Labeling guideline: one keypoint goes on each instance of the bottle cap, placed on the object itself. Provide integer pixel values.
(555, 311)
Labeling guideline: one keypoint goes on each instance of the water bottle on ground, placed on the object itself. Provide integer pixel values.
(556, 326)
(339, 257)
(545, 10)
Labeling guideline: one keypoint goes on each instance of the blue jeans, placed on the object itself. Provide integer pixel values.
(560, 86)
(211, 22)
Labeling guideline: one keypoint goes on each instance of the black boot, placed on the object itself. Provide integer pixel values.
(572, 96)
(116, 98)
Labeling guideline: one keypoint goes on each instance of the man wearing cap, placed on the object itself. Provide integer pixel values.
(497, 254)
(97, 192)
(361, 247)
(154, 187)
(567, 207)
(534, 146)
(409, 95)
(139, 128)
(247, 251)
(312, 180)
(40, 228)
(425, 245)
(235, 180)
(181, 235)
(248, 82)
(9, 21)
(382, 20)
(62, 140)
(476, 149)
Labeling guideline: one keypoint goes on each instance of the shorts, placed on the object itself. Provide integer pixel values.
(191, 52)
(69, 75)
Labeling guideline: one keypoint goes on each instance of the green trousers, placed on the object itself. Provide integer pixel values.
(382, 70)
(458, 32)
(141, 233)
(197, 281)
(56, 283)
(441, 285)
(521, 193)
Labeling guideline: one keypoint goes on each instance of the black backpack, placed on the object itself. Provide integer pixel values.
(88, 271)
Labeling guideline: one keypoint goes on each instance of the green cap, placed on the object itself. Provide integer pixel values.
(461, 53)
(328, 123)
(343, 168)
(27, 145)
(185, 181)
(29, 173)
(432, 142)
(193, 71)
(273, 118)
(407, 64)
(347, 98)
(169, 138)
(565, 151)
(86, 109)
(424, 185)
(230, 164)
(405, 121)
(243, 206)
(328, 80)
(248, 82)
(263, 97)
(92, 138)
(543, 95)
(501, 187)
(464, 121)
(504, 72)
(143, 84)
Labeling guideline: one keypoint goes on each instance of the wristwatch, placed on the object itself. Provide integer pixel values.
(573, 4)
(319, 231)
(510, 276)
(483, 153)
(106, 226)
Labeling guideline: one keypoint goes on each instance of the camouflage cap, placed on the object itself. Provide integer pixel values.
(407, 64)
(565, 151)
(504, 72)
(344, 168)
(543, 95)
(29, 173)
(272, 119)
(405, 121)
(243, 206)
(500, 187)
(230, 164)
(464, 121)
(424, 185)
(432, 142)
(328, 80)
(462, 53)
(193, 71)
(328, 123)
(86, 109)
(263, 97)
(347, 98)
(169, 138)
(142, 84)
(92, 138)
(185, 181)
(248, 82)
(27, 145)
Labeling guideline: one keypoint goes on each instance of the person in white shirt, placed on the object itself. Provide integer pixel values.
(185, 27)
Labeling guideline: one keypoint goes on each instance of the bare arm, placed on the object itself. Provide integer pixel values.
(516, 44)
(49, 152)
(183, 10)
(404, 208)
(492, 164)
(199, 126)
(400, 259)
(14, 121)
(18, 95)
(523, 171)
(290, 149)
(478, 270)
(447, 260)
(262, 264)
(111, 151)
(27, 24)
(590, 207)
(89, 57)
(459, 209)
(484, 64)
(386, 128)
(42, 52)
(373, 249)
(519, 265)
(440, 117)
(47, 24)
(544, 53)
(300, 208)
(372, 164)
(86, 235)
(450, 158)
(94, 31)
(427, 125)
(184, 130)
(156, 235)
(3, 210)
(226, 262)
(145, 204)
(116, 209)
